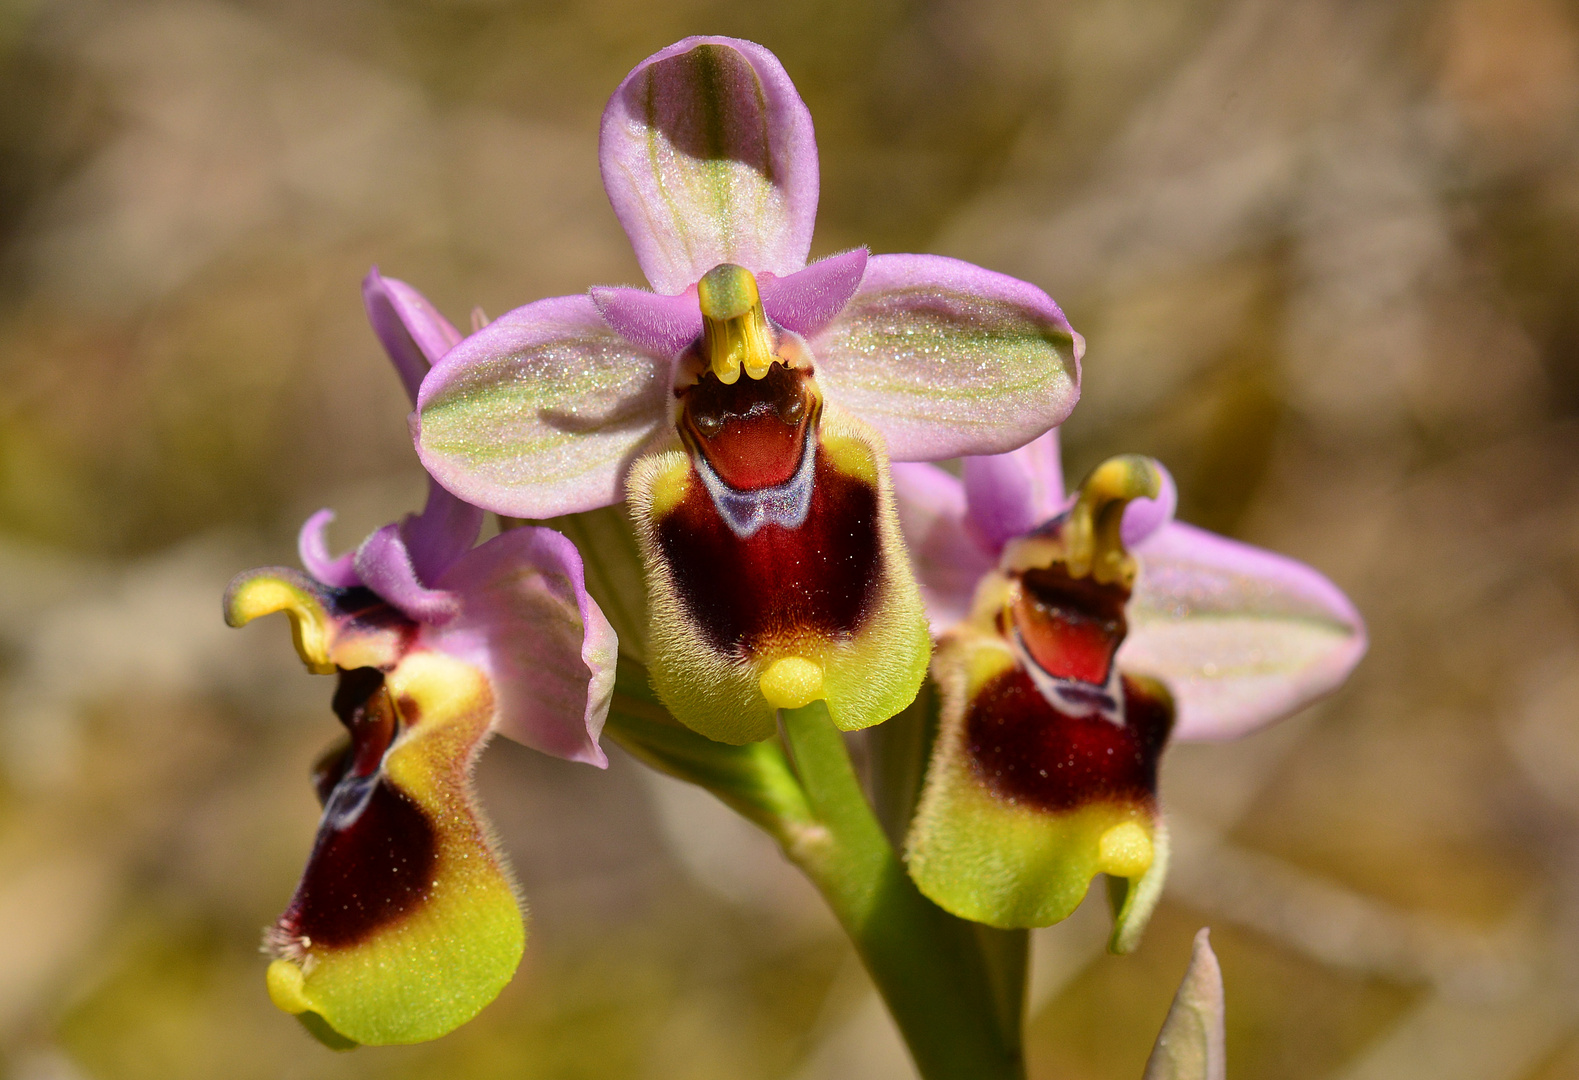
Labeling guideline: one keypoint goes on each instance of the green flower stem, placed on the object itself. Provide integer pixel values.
(955, 989)
(754, 780)
(1008, 956)
(929, 966)
(897, 755)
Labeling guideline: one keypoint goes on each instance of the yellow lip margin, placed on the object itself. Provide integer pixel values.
(430, 971)
(990, 859)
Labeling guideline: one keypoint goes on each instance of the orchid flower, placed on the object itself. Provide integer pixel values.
(1076, 636)
(748, 406)
(406, 921)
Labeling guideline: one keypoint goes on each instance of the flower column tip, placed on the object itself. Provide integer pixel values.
(1094, 536)
(256, 593)
(734, 326)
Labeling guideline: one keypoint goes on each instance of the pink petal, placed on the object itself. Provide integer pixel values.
(411, 329)
(384, 565)
(807, 301)
(1143, 517)
(312, 546)
(947, 559)
(444, 531)
(708, 156)
(526, 618)
(947, 359)
(662, 325)
(541, 412)
(1241, 636)
(1008, 495)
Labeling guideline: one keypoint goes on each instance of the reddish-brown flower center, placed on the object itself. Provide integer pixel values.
(752, 432)
(1071, 627)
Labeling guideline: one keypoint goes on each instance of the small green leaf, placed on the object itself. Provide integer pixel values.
(1190, 1046)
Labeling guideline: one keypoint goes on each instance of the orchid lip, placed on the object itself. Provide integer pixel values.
(738, 580)
(1029, 750)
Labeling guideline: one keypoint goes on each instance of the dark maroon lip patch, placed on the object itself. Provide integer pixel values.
(372, 862)
(1027, 751)
(743, 592)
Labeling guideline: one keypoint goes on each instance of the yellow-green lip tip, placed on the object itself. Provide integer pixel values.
(1125, 851)
(791, 682)
(287, 987)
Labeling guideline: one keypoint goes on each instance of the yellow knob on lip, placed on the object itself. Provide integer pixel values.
(791, 682)
(1125, 851)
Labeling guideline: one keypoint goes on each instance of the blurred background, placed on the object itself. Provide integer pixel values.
(1326, 257)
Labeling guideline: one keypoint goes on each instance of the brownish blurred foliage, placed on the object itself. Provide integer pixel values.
(1326, 257)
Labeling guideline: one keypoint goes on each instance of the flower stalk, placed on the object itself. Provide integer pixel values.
(956, 990)
(928, 965)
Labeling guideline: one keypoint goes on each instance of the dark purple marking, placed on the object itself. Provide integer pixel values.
(366, 874)
(330, 769)
(367, 611)
(1027, 751)
(359, 613)
(820, 578)
(372, 861)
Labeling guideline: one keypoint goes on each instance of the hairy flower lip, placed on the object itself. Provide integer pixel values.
(1028, 793)
(437, 644)
(1242, 636)
(1044, 770)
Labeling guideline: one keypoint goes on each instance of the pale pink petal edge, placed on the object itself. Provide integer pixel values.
(1288, 589)
(312, 547)
(524, 650)
(794, 152)
(410, 328)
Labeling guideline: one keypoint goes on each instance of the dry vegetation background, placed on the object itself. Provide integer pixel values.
(1325, 253)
